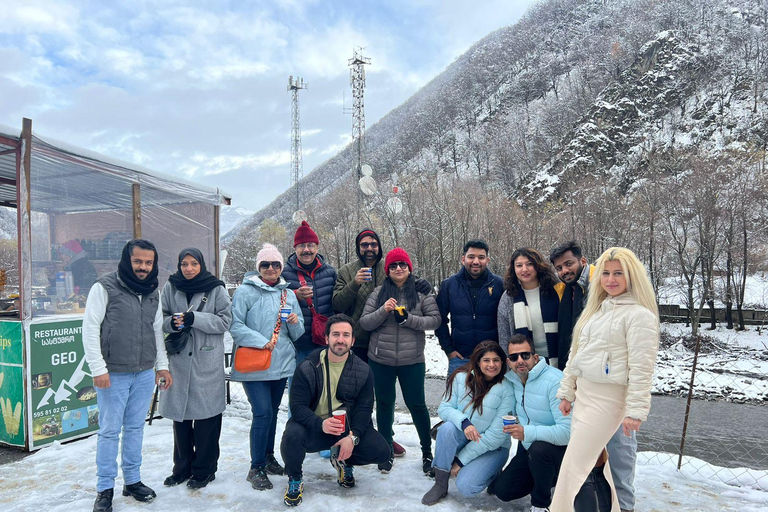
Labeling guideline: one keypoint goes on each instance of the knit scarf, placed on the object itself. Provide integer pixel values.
(549, 310)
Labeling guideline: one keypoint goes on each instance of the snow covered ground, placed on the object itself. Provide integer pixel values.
(62, 477)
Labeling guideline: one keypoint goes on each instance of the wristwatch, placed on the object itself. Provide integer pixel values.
(355, 439)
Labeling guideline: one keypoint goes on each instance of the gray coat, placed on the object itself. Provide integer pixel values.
(198, 390)
(392, 344)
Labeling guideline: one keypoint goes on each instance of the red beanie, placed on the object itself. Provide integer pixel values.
(395, 255)
(305, 235)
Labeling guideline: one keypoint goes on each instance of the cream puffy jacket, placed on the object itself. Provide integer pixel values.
(617, 345)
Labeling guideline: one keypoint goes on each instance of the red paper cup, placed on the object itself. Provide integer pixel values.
(342, 417)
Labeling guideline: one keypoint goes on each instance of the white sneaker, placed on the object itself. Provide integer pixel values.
(539, 509)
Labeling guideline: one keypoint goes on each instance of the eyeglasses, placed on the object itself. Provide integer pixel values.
(366, 245)
(274, 264)
(311, 246)
(524, 355)
(403, 265)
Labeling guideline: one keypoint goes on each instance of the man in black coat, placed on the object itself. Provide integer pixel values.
(330, 380)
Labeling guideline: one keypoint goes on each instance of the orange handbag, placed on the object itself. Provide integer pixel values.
(250, 359)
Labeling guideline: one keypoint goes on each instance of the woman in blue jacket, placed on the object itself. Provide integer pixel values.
(256, 322)
(471, 444)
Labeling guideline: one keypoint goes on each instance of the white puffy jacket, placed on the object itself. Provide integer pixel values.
(618, 345)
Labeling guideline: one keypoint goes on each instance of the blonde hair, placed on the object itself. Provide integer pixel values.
(638, 285)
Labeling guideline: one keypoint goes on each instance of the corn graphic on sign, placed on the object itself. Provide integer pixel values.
(11, 416)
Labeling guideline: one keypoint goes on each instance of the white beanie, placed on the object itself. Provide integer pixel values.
(268, 253)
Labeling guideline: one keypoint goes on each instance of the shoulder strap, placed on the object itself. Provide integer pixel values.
(203, 301)
(303, 282)
(279, 323)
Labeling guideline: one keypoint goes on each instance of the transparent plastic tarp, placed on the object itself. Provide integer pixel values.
(81, 216)
(174, 223)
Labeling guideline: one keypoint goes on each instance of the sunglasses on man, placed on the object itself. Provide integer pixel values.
(403, 265)
(274, 264)
(366, 245)
(523, 355)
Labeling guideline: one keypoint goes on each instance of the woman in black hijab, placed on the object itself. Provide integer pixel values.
(197, 398)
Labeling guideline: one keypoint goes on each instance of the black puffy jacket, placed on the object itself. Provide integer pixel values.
(322, 280)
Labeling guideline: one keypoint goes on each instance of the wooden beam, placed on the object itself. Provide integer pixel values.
(136, 210)
(216, 255)
(7, 151)
(23, 213)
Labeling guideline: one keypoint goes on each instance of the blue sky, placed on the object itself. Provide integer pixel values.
(198, 89)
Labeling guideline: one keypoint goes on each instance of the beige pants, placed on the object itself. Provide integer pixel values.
(597, 413)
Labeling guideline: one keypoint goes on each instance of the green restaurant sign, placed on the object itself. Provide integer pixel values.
(63, 399)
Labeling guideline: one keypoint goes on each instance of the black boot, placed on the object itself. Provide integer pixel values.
(175, 479)
(273, 467)
(200, 481)
(603, 490)
(139, 491)
(104, 501)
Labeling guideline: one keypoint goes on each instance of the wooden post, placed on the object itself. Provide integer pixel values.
(216, 254)
(23, 211)
(136, 210)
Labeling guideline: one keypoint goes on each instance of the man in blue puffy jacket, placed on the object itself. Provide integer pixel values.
(312, 280)
(542, 431)
(471, 298)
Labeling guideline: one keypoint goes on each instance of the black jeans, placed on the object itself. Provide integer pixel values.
(298, 441)
(533, 471)
(196, 446)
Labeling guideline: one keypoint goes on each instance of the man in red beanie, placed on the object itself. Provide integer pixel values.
(312, 280)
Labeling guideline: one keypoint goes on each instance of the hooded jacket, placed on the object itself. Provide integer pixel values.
(349, 297)
(322, 279)
(618, 345)
(458, 407)
(255, 309)
(537, 407)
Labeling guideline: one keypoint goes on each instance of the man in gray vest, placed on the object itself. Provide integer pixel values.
(123, 342)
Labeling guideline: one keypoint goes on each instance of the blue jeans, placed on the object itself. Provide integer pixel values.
(264, 397)
(622, 455)
(478, 473)
(123, 406)
(454, 363)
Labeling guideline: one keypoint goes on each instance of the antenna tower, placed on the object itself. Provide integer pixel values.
(297, 167)
(357, 81)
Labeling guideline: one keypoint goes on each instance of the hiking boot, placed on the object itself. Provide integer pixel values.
(426, 465)
(259, 480)
(175, 479)
(439, 490)
(294, 492)
(200, 481)
(139, 491)
(386, 467)
(104, 501)
(345, 472)
(398, 449)
(273, 467)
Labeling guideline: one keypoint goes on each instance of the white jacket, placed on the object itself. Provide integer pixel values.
(618, 345)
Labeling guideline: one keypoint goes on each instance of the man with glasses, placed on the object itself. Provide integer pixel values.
(312, 280)
(471, 298)
(542, 431)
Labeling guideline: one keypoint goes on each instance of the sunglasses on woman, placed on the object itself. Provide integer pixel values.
(274, 264)
(403, 265)
(523, 355)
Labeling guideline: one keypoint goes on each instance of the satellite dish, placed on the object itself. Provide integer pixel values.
(367, 185)
(395, 205)
(299, 215)
(366, 170)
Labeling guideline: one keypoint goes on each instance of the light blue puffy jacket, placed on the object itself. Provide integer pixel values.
(498, 402)
(536, 405)
(255, 307)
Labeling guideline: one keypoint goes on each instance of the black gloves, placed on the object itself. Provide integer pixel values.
(401, 315)
(423, 286)
(189, 319)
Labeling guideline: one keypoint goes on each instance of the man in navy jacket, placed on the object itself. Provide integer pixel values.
(471, 298)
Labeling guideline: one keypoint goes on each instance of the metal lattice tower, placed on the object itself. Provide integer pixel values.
(297, 167)
(357, 81)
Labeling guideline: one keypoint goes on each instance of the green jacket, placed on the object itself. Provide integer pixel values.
(349, 297)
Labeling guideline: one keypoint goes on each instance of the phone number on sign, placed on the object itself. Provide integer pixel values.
(48, 412)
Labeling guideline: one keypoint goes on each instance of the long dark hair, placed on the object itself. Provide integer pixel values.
(544, 272)
(477, 386)
(389, 290)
